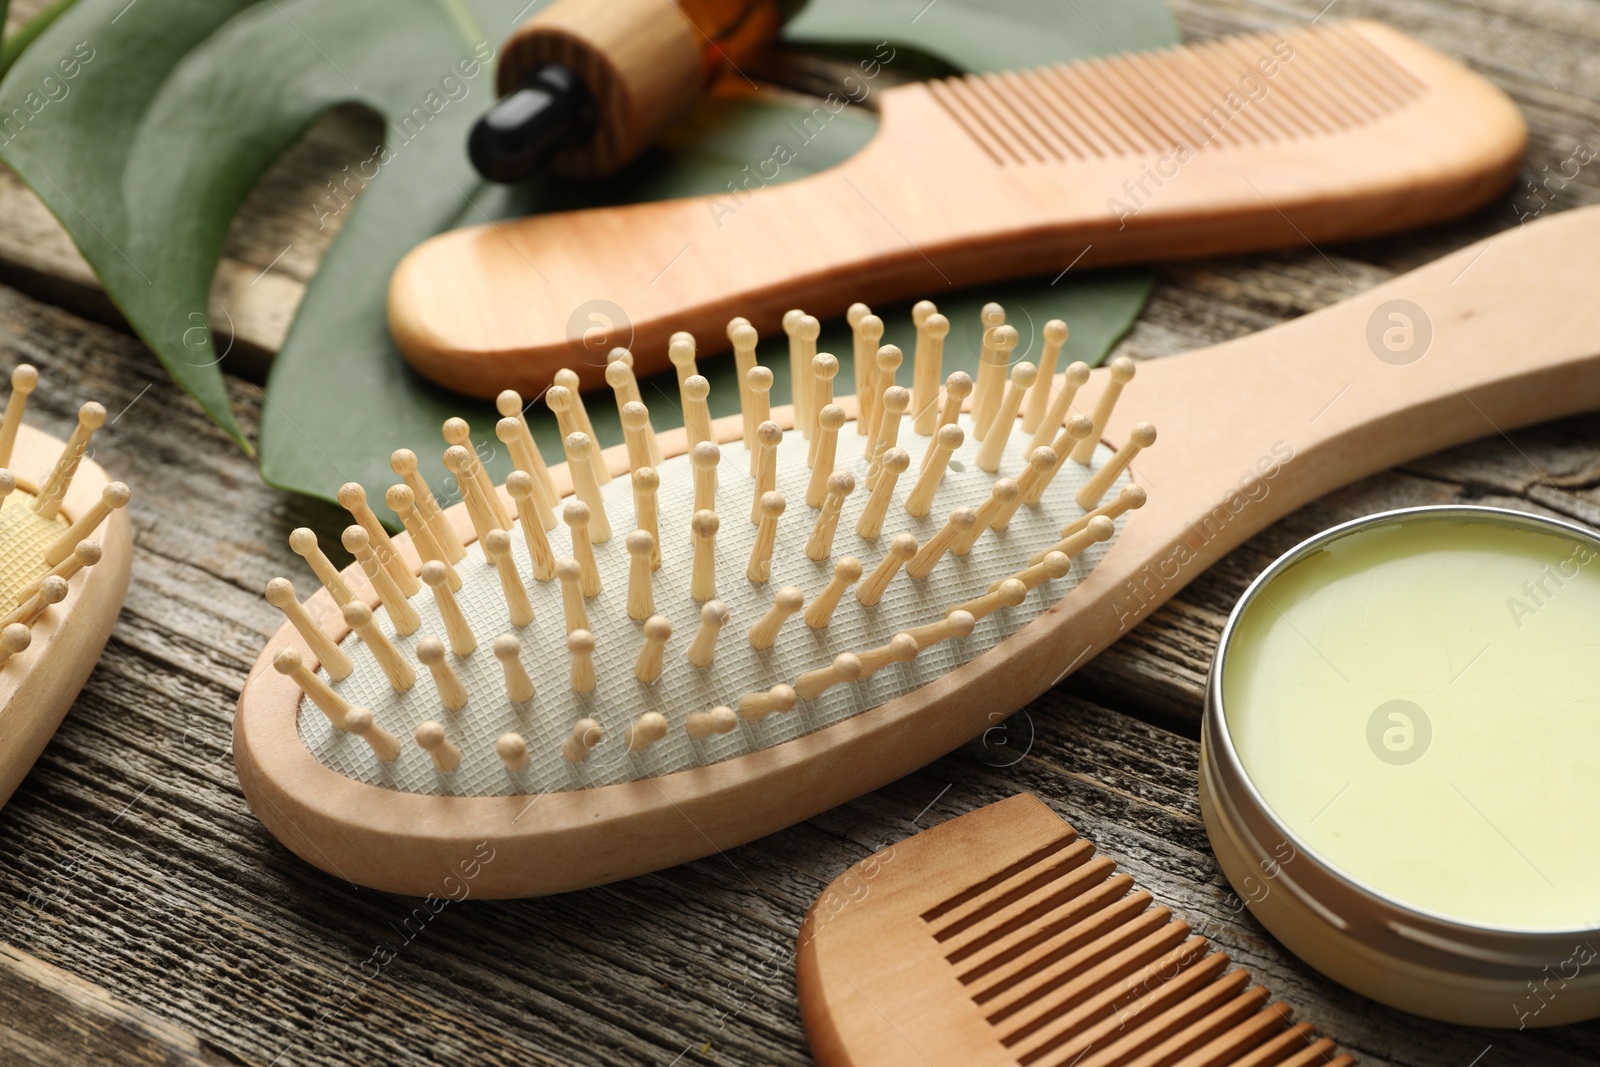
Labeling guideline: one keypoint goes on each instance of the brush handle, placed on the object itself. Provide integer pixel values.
(949, 195)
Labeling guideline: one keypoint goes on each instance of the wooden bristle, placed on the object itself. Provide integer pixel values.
(902, 648)
(743, 337)
(1055, 415)
(1076, 429)
(646, 731)
(846, 667)
(85, 553)
(452, 693)
(1040, 465)
(585, 735)
(560, 400)
(825, 449)
(960, 522)
(532, 507)
(1142, 436)
(641, 591)
(713, 617)
(577, 516)
(891, 410)
(402, 616)
(1023, 376)
(288, 662)
(639, 435)
(957, 388)
(458, 435)
(524, 490)
(901, 549)
(403, 462)
(508, 650)
(8, 485)
(760, 566)
(994, 357)
(956, 624)
(645, 483)
(764, 465)
(52, 590)
(787, 601)
(681, 353)
(696, 412)
(384, 745)
(1001, 496)
(430, 738)
(703, 577)
(1122, 370)
(1098, 528)
(353, 498)
(803, 332)
(574, 613)
(824, 368)
(721, 720)
(112, 497)
(927, 364)
(819, 546)
(518, 607)
(509, 405)
(1009, 594)
(648, 665)
(53, 489)
(457, 629)
(759, 383)
(400, 673)
(704, 458)
(581, 451)
(893, 463)
(458, 461)
(866, 333)
(14, 638)
(303, 542)
(403, 502)
(846, 573)
(580, 647)
(24, 379)
(887, 362)
(753, 707)
(513, 751)
(934, 464)
(1038, 405)
(281, 595)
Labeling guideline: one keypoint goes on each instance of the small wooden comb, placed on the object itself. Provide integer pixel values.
(65, 550)
(1267, 140)
(1003, 939)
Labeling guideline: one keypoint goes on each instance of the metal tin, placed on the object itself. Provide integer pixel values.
(1372, 943)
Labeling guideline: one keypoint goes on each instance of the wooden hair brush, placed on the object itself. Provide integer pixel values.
(1266, 140)
(65, 549)
(809, 636)
(1003, 939)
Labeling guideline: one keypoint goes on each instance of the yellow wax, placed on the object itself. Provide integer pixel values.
(1484, 805)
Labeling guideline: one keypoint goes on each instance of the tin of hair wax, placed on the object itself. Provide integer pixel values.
(1400, 761)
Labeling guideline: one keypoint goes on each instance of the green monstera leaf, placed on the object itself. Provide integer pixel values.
(179, 106)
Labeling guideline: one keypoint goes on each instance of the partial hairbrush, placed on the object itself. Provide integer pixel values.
(65, 549)
(1003, 939)
(701, 637)
(1314, 135)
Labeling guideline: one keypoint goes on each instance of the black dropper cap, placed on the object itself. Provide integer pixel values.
(521, 133)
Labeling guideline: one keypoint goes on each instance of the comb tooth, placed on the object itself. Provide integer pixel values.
(24, 379)
(498, 546)
(508, 650)
(894, 463)
(1049, 137)
(824, 368)
(288, 662)
(703, 576)
(743, 337)
(403, 462)
(645, 483)
(404, 504)
(713, 617)
(458, 434)
(456, 628)
(954, 95)
(641, 593)
(1099, 528)
(846, 667)
(430, 738)
(580, 646)
(846, 573)
(580, 455)
(1040, 463)
(280, 594)
(901, 549)
(1122, 371)
(696, 415)
(957, 388)
(704, 458)
(764, 466)
(1212, 1025)
(1142, 436)
(1008, 594)
(646, 731)
(1003, 493)
(681, 352)
(573, 610)
(643, 448)
(512, 750)
(91, 416)
(1318, 1056)
(1077, 428)
(452, 693)
(759, 382)
(1023, 376)
(560, 401)
(532, 507)
(586, 734)
(1078, 141)
(579, 520)
(993, 358)
(935, 461)
(956, 624)
(384, 745)
(902, 648)
(753, 707)
(1273, 1052)
(113, 496)
(785, 603)
(1057, 90)
(1055, 335)
(14, 639)
(759, 569)
(719, 720)
(887, 362)
(866, 332)
(85, 553)
(303, 542)
(1237, 1036)
(458, 461)
(1091, 916)
(891, 411)
(927, 363)
(819, 546)
(961, 520)
(652, 654)
(524, 490)
(826, 448)
(400, 673)
(509, 405)
(402, 615)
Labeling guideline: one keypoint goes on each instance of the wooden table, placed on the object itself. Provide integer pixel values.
(151, 914)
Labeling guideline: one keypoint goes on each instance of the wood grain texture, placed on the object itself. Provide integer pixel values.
(132, 861)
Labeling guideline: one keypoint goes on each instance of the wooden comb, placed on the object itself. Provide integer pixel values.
(65, 550)
(1003, 939)
(1266, 140)
(639, 748)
